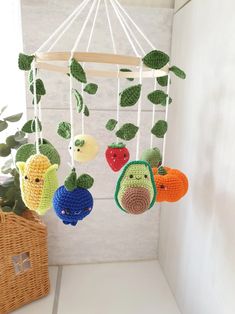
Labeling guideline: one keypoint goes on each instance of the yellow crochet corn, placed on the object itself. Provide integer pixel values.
(38, 182)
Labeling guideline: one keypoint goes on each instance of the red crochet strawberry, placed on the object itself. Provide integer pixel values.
(117, 155)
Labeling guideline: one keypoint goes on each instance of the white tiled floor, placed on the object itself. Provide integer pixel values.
(112, 288)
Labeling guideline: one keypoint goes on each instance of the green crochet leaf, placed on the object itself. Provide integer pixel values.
(5, 150)
(91, 88)
(156, 59)
(111, 124)
(77, 71)
(3, 109)
(130, 96)
(85, 181)
(164, 101)
(127, 70)
(11, 142)
(38, 98)
(70, 181)
(79, 100)
(64, 130)
(117, 145)
(162, 171)
(79, 143)
(40, 89)
(127, 132)
(30, 126)
(86, 111)
(159, 129)
(157, 97)
(24, 62)
(3, 125)
(14, 118)
(178, 72)
(162, 80)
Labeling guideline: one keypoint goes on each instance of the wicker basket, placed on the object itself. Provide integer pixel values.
(23, 260)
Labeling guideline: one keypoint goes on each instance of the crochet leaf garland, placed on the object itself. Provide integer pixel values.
(40, 88)
(162, 80)
(24, 61)
(111, 124)
(30, 126)
(127, 70)
(91, 88)
(130, 96)
(178, 72)
(79, 100)
(64, 130)
(38, 98)
(156, 59)
(127, 132)
(157, 97)
(160, 128)
(77, 71)
(86, 111)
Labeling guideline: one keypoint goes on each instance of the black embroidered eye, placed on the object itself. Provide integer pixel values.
(146, 176)
(131, 176)
(26, 177)
(124, 155)
(70, 147)
(162, 186)
(78, 149)
(37, 180)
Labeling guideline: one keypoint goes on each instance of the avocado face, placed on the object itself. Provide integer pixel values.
(136, 190)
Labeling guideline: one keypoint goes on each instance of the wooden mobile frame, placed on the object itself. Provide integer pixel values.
(44, 60)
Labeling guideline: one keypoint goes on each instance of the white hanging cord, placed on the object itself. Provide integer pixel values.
(35, 107)
(40, 119)
(166, 118)
(124, 28)
(153, 114)
(87, 49)
(118, 68)
(130, 30)
(139, 113)
(61, 26)
(69, 24)
(135, 25)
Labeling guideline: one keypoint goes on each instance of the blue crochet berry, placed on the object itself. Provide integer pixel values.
(72, 206)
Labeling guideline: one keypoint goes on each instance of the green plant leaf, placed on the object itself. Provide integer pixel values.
(6, 168)
(3, 125)
(163, 103)
(19, 136)
(111, 124)
(127, 70)
(38, 98)
(30, 126)
(127, 132)
(8, 182)
(85, 181)
(77, 71)
(91, 88)
(178, 72)
(64, 130)
(5, 150)
(157, 97)
(24, 61)
(3, 109)
(70, 181)
(79, 100)
(130, 95)
(162, 80)
(86, 111)
(40, 88)
(6, 209)
(160, 128)
(156, 59)
(14, 118)
(11, 142)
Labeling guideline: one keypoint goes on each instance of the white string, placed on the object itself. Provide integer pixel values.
(118, 68)
(139, 113)
(87, 49)
(58, 29)
(130, 31)
(153, 115)
(40, 119)
(135, 25)
(35, 107)
(124, 28)
(166, 118)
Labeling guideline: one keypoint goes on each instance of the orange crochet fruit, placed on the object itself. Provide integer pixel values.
(171, 184)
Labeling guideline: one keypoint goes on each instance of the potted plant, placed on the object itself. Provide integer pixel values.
(23, 237)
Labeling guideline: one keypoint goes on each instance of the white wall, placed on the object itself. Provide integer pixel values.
(107, 234)
(197, 240)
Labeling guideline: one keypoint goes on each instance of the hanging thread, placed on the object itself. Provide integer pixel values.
(35, 107)
(153, 114)
(139, 113)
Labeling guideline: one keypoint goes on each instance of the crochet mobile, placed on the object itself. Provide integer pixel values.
(85, 148)
(38, 182)
(136, 190)
(171, 184)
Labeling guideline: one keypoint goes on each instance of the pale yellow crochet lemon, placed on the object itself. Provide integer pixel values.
(85, 148)
(38, 182)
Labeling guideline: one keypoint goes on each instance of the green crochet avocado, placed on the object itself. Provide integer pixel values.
(152, 156)
(136, 191)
